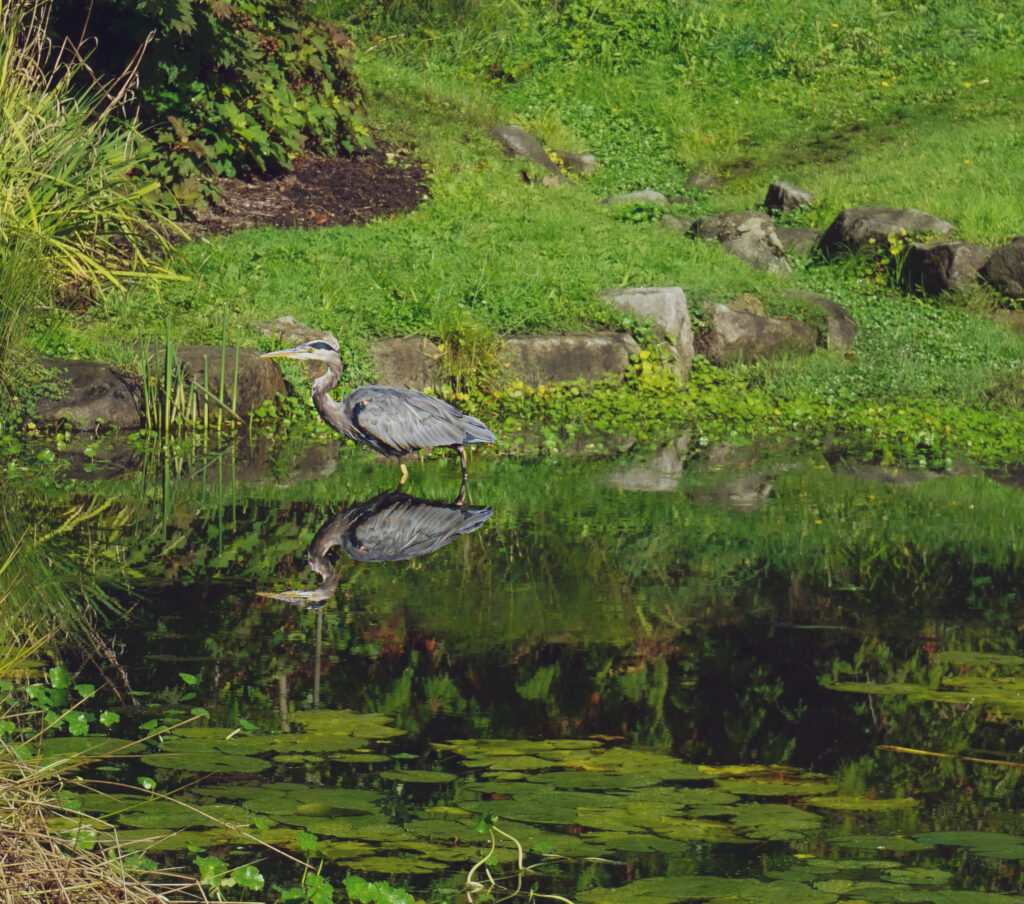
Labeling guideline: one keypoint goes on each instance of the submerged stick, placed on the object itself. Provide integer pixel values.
(950, 756)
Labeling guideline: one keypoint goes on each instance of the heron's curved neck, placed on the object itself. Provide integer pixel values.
(331, 411)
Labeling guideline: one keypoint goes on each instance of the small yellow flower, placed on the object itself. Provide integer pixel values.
(885, 84)
(967, 85)
(967, 161)
(835, 24)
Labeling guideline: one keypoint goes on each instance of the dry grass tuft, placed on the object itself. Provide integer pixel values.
(40, 866)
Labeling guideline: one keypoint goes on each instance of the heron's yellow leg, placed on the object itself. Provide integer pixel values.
(405, 474)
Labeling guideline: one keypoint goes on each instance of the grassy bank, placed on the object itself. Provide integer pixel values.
(891, 105)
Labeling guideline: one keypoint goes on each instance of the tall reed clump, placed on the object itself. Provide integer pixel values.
(72, 214)
(23, 282)
(41, 864)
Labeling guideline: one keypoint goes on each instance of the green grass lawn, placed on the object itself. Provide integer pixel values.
(892, 103)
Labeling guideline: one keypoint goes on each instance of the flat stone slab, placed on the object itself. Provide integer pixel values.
(736, 336)
(561, 358)
(91, 395)
(666, 306)
(408, 362)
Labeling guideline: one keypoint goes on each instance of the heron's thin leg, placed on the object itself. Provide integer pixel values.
(465, 476)
(405, 474)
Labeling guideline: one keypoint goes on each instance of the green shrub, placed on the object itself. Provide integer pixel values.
(226, 88)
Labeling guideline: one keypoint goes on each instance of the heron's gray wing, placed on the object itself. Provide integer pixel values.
(404, 419)
(411, 528)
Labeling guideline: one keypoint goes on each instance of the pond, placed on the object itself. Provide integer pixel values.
(696, 674)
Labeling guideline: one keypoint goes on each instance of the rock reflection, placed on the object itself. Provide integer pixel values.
(390, 527)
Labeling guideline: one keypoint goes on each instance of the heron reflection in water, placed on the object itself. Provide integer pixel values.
(390, 527)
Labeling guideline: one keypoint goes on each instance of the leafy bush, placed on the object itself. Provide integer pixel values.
(67, 183)
(226, 88)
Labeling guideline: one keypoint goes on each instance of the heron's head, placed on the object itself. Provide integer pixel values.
(317, 350)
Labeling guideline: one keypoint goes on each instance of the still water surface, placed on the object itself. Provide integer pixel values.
(680, 677)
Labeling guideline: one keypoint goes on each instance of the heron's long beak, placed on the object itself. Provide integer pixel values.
(283, 353)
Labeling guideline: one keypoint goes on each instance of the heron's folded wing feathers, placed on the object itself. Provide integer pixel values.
(405, 419)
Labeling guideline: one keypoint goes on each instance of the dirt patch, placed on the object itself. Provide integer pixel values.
(321, 191)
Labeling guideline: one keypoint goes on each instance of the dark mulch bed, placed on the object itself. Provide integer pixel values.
(321, 191)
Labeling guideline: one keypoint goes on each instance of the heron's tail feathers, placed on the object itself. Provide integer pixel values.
(476, 431)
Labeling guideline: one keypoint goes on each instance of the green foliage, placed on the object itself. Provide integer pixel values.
(375, 892)
(69, 195)
(469, 356)
(23, 286)
(227, 88)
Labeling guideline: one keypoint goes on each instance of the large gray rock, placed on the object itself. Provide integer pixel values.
(1005, 268)
(736, 336)
(520, 143)
(667, 307)
(288, 331)
(798, 239)
(936, 267)
(782, 196)
(559, 358)
(840, 328)
(259, 379)
(91, 395)
(858, 227)
(750, 235)
(405, 362)
(644, 196)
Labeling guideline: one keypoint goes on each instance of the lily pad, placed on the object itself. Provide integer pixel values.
(167, 815)
(985, 844)
(87, 745)
(359, 758)
(673, 889)
(211, 762)
(508, 763)
(850, 802)
(777, 788)
(919, 875)
(592, 781)
(880, 843)
(778, 822)
(346, 722)
(419, 777)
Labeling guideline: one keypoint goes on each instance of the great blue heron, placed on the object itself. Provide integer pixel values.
(388, 528)
(390, 419)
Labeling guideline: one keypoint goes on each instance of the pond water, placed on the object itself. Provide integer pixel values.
(734, 674)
